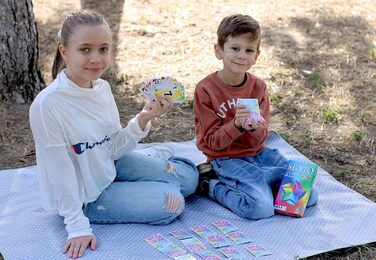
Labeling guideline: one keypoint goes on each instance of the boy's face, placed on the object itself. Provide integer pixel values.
(239, 54)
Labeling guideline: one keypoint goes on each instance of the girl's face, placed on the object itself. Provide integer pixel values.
(88, 54)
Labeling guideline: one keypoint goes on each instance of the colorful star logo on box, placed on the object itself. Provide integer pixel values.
(292, 192)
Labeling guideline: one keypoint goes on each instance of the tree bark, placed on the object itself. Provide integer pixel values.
(20, 78)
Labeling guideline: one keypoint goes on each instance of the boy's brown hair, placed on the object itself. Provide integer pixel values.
(237, 24)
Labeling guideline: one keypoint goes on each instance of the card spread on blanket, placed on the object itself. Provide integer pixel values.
(258, 250)
(165, 246)
(195, 245)
(182, 234)
(224, 225)
(208, 255)
(238, 237)
(231, 253)
(217, 241)
(185, 257)
(203, 231)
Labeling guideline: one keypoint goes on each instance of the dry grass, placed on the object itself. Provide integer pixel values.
(318, 58)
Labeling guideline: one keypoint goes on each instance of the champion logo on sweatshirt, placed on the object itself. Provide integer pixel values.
(82, 147)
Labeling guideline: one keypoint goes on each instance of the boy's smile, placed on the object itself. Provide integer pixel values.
(239, 54)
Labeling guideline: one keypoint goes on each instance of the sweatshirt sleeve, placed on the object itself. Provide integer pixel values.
(124, 140)
(209, 126)
(57, 175)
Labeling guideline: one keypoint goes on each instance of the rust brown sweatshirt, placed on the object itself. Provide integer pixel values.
(214, 108)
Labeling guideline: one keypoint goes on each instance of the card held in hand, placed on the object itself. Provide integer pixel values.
(253, 106)
(164, 86)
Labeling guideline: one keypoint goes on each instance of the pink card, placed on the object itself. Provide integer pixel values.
(224, 225)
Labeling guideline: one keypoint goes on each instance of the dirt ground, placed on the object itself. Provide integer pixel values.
(318, 59)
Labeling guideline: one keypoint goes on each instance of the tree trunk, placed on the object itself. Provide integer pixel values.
(20, 78)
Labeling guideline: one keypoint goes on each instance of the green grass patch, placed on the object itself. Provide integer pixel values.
(357, 135)
(274, 99)
(316, 81)
(307, 135)
(330, 115)
(190, 103)
(372, 53)
(343, 174)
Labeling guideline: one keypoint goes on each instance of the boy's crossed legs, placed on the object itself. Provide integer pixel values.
(249, 185)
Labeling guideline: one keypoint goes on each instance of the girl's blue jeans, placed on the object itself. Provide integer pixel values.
(248, 185)
(145, 190)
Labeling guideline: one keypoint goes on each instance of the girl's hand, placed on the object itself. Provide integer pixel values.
(75, 247)
(154, 109)
(159, 107)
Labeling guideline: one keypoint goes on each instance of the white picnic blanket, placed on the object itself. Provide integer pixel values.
(343, 218)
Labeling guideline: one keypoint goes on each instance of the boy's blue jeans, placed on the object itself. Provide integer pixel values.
(145, 190)
(248, 185)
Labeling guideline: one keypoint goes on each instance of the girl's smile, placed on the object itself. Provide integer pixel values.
(88, 54)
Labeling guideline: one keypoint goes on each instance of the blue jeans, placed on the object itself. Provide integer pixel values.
(248, 185)
(145, 190)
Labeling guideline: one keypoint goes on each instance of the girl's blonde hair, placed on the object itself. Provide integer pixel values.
(74, 19)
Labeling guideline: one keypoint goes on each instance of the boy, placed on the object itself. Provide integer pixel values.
(246, 173)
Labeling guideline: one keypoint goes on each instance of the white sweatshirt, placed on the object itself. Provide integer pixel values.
(77, 135)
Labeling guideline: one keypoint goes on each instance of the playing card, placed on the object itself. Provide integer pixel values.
(182, 234)
(159, 241)
(231, 253)
(185, 257)
(238, 237)
(257, 250)
(194, 244)
(203, 231)
(170, 87)
(253, 106)
(217, 241)
(224, 225)
(164, 86)
(147, 90)
(173, 251)
(208, 255)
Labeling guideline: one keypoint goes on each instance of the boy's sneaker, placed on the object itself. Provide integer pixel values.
(156, 150)
(206, 173)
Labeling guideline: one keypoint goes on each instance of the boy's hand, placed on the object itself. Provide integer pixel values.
(253, 124)
(241, 115)
(241, 119)
(76, 247)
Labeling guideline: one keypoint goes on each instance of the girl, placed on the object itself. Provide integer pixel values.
(87, 170)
